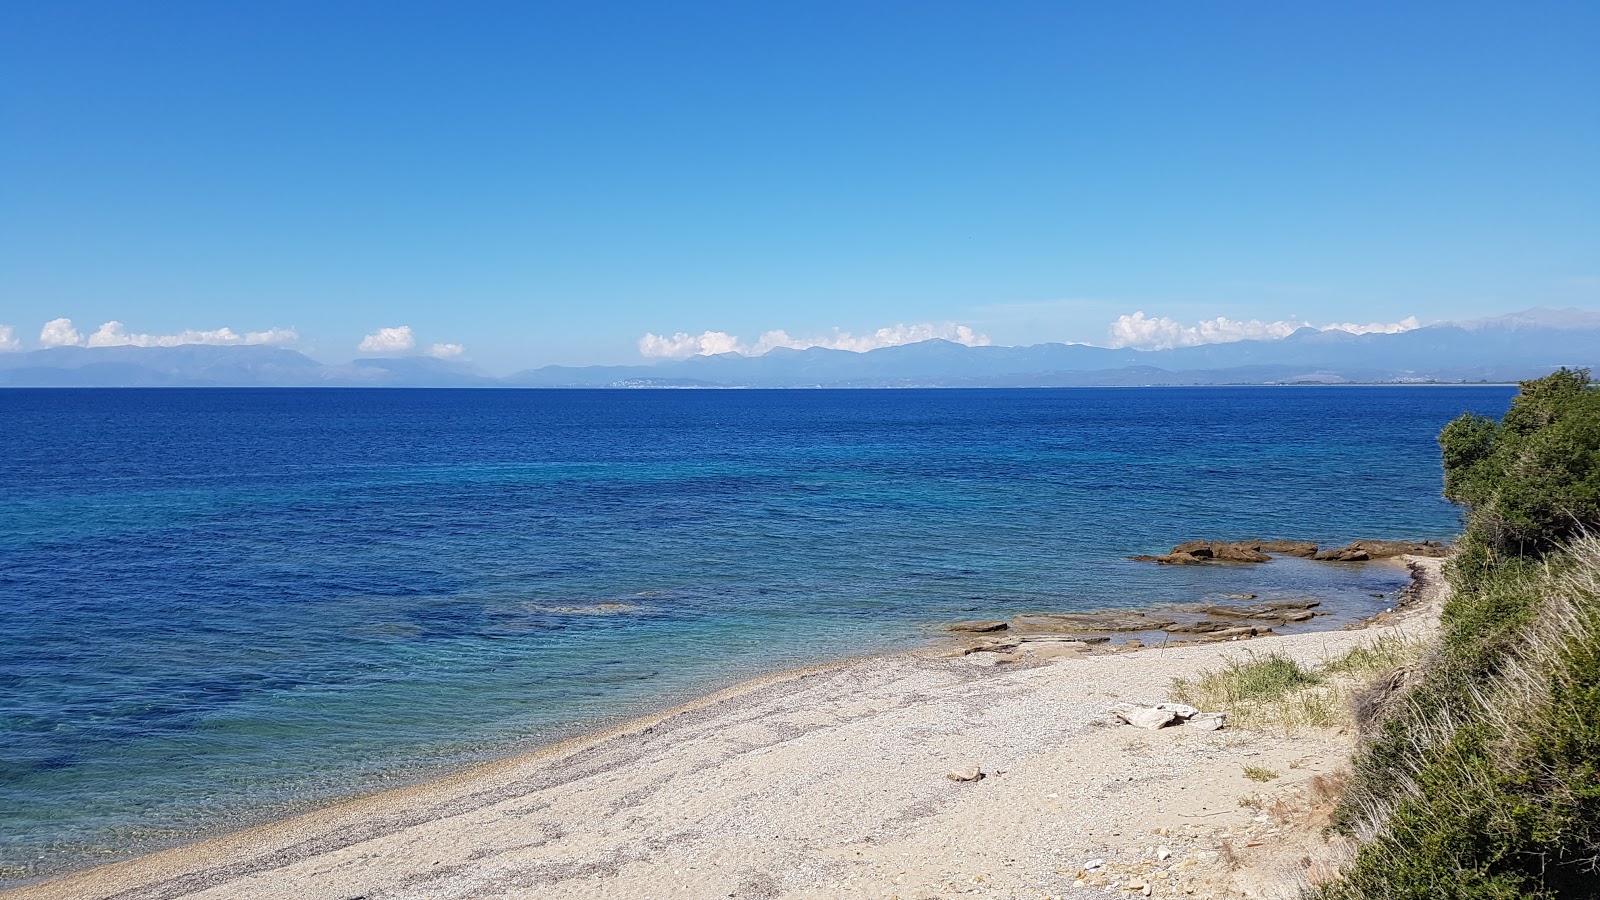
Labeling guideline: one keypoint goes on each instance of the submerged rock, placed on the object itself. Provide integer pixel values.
(976, 627)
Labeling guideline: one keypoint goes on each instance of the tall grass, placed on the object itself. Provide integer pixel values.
(1487, 784)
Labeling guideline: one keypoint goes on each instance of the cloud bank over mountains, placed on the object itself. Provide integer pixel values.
(683, 345)
(1277, 351)
(1505, 348)
(397, 340)
(1143, 332)
(1135, 331)
(62, 333)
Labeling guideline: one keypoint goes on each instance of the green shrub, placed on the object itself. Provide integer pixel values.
(1487, 786)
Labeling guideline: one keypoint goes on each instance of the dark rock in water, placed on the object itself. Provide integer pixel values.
(1237, 553)
(1191, 553)
(1287, 548)
(1360, 551)
(977, 627)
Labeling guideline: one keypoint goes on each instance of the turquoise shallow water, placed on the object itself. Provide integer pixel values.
(223, 605)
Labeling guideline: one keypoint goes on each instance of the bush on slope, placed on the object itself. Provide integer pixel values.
(1487, 785)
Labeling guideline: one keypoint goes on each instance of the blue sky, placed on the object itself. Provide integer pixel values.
(548, 183)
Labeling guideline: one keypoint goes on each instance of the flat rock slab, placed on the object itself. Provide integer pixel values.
(1108, 621)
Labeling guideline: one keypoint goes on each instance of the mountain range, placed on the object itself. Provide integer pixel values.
(1501, 349)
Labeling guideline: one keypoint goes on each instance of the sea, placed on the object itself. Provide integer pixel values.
(222, 606)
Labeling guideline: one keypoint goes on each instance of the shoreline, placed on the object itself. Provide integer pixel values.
(238, 858)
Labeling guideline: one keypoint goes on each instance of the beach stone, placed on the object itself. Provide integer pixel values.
(1181, 710)
(1145, 717)
(966, 773)
(977, 627)
(1211, 721)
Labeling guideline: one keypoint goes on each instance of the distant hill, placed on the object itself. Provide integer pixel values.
(1505, 348)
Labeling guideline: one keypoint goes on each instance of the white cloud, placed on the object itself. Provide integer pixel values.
(1409, 323)
(8, 340)
(388, 340)
(1143, 332)
(446, 351)
(62, 333)
(683, 345)
(59, 333)
(112, 334)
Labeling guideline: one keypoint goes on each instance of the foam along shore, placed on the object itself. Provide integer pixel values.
(837, 781)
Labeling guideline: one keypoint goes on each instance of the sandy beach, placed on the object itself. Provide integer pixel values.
(832, 782)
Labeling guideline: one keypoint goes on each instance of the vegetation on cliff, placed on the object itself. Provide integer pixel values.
(1486, 783)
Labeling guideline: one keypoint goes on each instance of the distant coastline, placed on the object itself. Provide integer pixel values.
(1491, 351)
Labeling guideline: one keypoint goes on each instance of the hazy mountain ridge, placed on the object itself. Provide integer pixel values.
(1504, 348)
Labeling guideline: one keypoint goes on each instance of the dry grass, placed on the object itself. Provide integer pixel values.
(1272, 691)
(1264, 690)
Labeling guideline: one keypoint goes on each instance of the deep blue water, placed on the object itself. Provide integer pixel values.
(223, 604)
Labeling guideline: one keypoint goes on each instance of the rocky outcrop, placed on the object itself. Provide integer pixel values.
(1365, 550)
(1194, 553)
